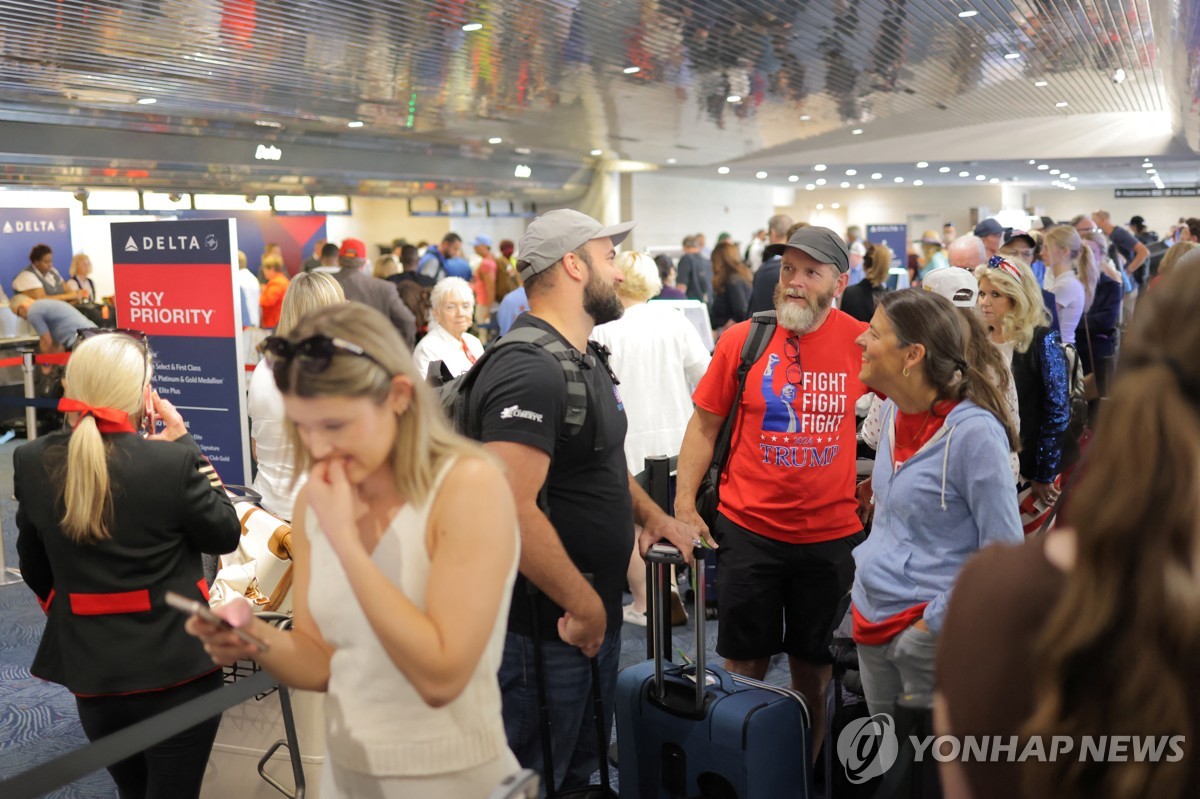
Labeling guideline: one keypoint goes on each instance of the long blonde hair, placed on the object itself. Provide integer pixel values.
(1065, 237)
(307, 291)
(1028, 311)
(424, 441)
(105, 371)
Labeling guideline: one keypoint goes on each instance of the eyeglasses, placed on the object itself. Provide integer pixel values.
(315, 352)
(795, 370)
(1005, 266)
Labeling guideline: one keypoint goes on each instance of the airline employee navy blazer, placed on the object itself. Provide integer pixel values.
(108, 629)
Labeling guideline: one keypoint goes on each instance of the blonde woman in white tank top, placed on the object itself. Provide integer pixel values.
(405, 550)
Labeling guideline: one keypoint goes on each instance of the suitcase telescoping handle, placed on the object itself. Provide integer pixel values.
(659, 561)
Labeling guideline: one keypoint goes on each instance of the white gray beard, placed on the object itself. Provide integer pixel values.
(795, 319)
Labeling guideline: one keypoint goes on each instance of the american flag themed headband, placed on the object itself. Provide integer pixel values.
(1004, 265)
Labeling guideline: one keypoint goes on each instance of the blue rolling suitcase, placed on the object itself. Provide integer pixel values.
(732, 738)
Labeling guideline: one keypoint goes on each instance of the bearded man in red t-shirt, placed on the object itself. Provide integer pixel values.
(788, 515)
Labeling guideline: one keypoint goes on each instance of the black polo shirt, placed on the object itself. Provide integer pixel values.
(520, 396)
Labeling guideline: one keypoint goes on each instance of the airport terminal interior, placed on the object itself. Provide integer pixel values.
(440, 130)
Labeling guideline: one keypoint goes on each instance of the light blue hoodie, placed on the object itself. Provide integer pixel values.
(945, 503)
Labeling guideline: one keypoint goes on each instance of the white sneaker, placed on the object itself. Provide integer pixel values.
(632, 616)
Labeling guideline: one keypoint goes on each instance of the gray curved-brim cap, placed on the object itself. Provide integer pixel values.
(556, 233)
(819, 242)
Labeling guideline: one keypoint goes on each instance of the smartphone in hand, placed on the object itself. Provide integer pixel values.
(194, 608)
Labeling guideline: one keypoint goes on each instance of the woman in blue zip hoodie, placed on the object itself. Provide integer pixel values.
(942, 485)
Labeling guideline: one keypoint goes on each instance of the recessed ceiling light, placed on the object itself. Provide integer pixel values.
(1012, 56)
(805, 117)
(722, 170)
(836, 206)
(522, 171)
(733, 98)
(1073, 178)
(266, 123)
(1055, 171)
(760, 175)
(821, 181)
(820, 168)
(862, 185)
(944, 170)
(632, 70)
(1065, 175)
(1119, 76)
(897, 180)
(793, 178)
(994, 180)
(856, 131)
(1043, 167)
(981, 177)
(876, 176)
(1041, 83)
(495, 140)
(597, 152)
(355, 124)
(672, 160)
(1031, 161)
(967, 14)
(1061, 104)
(1147, 165)
(1151, 171)
(523, 150)
(964, 174)
(810, 186)
(845, 184)
(473, 26)
(922, 164)
(851, 172)
(918, 183)
(147, 101)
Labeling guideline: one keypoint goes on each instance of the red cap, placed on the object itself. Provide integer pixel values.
(353, 248)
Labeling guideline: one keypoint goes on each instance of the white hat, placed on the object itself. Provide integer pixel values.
(957, 285)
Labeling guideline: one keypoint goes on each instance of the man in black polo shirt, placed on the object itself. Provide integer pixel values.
(577, 553)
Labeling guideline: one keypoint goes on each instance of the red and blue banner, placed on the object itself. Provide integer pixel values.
(21, 229)
(295, 235)
(175, 282)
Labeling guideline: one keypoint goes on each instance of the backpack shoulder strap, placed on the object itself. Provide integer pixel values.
(762, 328)
(568, 360)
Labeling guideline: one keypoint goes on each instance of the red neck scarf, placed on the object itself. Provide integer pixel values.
(467, 351)
(108, 420)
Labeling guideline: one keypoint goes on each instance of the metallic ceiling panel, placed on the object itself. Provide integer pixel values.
(651, 81)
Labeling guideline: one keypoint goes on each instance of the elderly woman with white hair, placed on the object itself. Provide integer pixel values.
(452, 312)
(660, 358)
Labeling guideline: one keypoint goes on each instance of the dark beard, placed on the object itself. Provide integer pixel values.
(600, 299)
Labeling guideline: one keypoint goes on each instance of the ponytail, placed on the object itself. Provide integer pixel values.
(87, 492)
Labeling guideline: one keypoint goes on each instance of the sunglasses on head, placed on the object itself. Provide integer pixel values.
(1005, 266)
(91, 332)
(315, 352)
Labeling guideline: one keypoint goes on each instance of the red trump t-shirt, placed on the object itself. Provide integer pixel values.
(791, 470)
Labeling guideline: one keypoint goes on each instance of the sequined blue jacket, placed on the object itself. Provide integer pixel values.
(1043, 396)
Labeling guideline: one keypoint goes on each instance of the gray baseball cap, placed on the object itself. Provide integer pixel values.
(819, 242)
(556, 233)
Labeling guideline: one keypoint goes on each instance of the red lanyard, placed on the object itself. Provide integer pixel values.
(467, 352)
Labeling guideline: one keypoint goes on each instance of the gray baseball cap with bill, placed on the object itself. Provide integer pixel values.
(819, 242)
(556, 233)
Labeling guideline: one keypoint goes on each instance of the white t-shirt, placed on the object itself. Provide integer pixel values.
(1069, 296)
(438, 345)
(26, 280)
(659, 358)
(251, 288)
(275, 470)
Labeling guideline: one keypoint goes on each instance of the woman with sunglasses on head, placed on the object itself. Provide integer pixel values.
(108, 521)
(275, 480)
(942, 485)
(401, 587)
(1010, 302)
